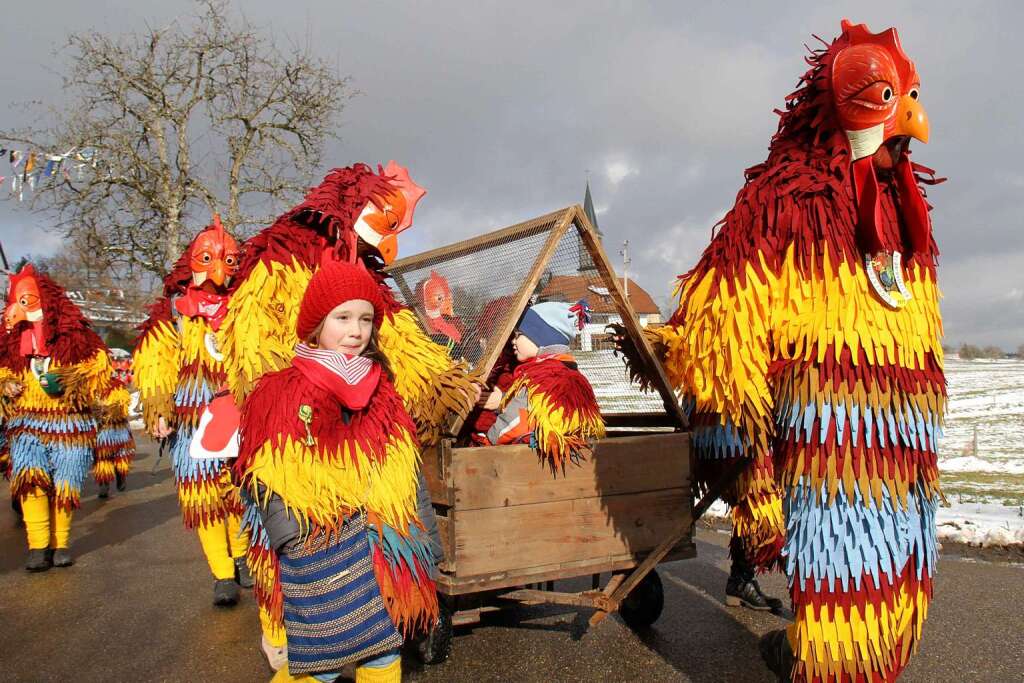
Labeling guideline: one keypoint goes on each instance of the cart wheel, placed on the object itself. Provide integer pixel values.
(643, 605)
(435, 647)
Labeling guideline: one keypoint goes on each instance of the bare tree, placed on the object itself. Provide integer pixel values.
(205, 115)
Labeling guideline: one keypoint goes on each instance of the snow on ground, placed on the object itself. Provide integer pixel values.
(981, 524)
(977, 524)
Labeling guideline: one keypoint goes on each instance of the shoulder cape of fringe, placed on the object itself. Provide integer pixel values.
(369, 464)
(563, 410)
(787, 358)
(258, 333)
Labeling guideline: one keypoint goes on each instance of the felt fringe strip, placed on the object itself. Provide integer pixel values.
(155, 365)
(208, 498)
(258, 334)
(431, 385)
(564, 415)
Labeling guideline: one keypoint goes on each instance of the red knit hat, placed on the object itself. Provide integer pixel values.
(335, 283)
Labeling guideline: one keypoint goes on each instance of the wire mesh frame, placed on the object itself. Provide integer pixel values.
(497, 274)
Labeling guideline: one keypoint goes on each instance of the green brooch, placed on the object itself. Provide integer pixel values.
(306, 415)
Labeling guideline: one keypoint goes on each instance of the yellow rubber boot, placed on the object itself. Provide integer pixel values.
(214, 539)
(392, 673)
(35, 508)
(238, 541)
(282, 676)
(274, 643)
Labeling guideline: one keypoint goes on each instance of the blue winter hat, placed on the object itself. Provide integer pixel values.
(554, 322)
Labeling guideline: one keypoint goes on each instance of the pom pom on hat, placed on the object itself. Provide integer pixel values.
(335, 283)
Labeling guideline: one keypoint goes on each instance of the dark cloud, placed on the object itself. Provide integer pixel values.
(500, 108)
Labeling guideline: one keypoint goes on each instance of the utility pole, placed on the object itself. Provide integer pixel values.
(624, 252)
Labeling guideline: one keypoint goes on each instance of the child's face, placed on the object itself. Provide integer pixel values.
(347, 327)
(523, 347)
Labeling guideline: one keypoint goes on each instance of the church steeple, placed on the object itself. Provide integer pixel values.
(586, 262)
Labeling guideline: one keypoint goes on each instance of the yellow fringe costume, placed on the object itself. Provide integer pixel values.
(258, 334)
(51, 438)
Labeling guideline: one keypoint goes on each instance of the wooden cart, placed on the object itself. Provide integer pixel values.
(509, 526)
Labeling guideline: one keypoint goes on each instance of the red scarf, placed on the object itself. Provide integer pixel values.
(202, 304)
(351, 380)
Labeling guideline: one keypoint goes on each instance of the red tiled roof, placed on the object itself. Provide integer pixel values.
(576, 287)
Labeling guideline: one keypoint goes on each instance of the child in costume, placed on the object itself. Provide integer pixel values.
(179, 370)
(354, 215)
(330, 456)
(53, 369)
(549, 402)
(115, 446)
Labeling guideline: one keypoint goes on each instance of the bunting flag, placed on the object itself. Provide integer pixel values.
(30, 168)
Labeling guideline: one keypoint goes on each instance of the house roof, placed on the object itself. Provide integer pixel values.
(576, 287)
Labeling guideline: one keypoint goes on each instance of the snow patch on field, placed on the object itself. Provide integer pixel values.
(981, 524)
(970, 463)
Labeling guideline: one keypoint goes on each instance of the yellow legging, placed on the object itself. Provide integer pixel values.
(222, 544)
(392, 673)
(46, 526)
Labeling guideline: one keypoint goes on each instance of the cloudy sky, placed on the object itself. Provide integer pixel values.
(500, 109)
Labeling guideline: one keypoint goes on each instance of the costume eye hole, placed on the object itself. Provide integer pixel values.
(206, 258)
(887, 94)
(23, 301)
(230, 260)
(914, 93)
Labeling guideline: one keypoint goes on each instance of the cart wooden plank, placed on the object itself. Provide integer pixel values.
(449, 584)
(502, 477)
(526, 536)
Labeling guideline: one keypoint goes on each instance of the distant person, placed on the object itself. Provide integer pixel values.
(53, 370)
(178, 370)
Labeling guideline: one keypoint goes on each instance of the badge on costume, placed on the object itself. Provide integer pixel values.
(885, 273)
(210, 340)
(216, 437)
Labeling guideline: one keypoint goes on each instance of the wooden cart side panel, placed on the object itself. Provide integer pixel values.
(504, 476)
(447, 533)
(435, 464)
(533, 536)
(450, 584)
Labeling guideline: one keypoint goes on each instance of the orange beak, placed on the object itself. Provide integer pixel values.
(388, 248)
(13, 315)
(217, 273)
(911, 119)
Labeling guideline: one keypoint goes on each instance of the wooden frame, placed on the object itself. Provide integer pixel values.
(556, 224)
(510, 527)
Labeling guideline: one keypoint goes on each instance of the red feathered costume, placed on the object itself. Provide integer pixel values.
(807, 340)
(54, 370)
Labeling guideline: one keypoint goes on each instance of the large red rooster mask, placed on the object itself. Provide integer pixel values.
(876, 93)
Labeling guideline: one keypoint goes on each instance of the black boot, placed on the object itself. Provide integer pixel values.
(777, 654)
(122, 481)
(242, 575)
(104, 491)
(38, 560)
(62, 558)
(742, 588)
(225, 593)
(739, 591)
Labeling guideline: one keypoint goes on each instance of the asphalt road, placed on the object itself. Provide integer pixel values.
(137, 607)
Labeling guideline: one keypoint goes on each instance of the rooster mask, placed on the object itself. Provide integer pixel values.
(876, 94)
(214, 257)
